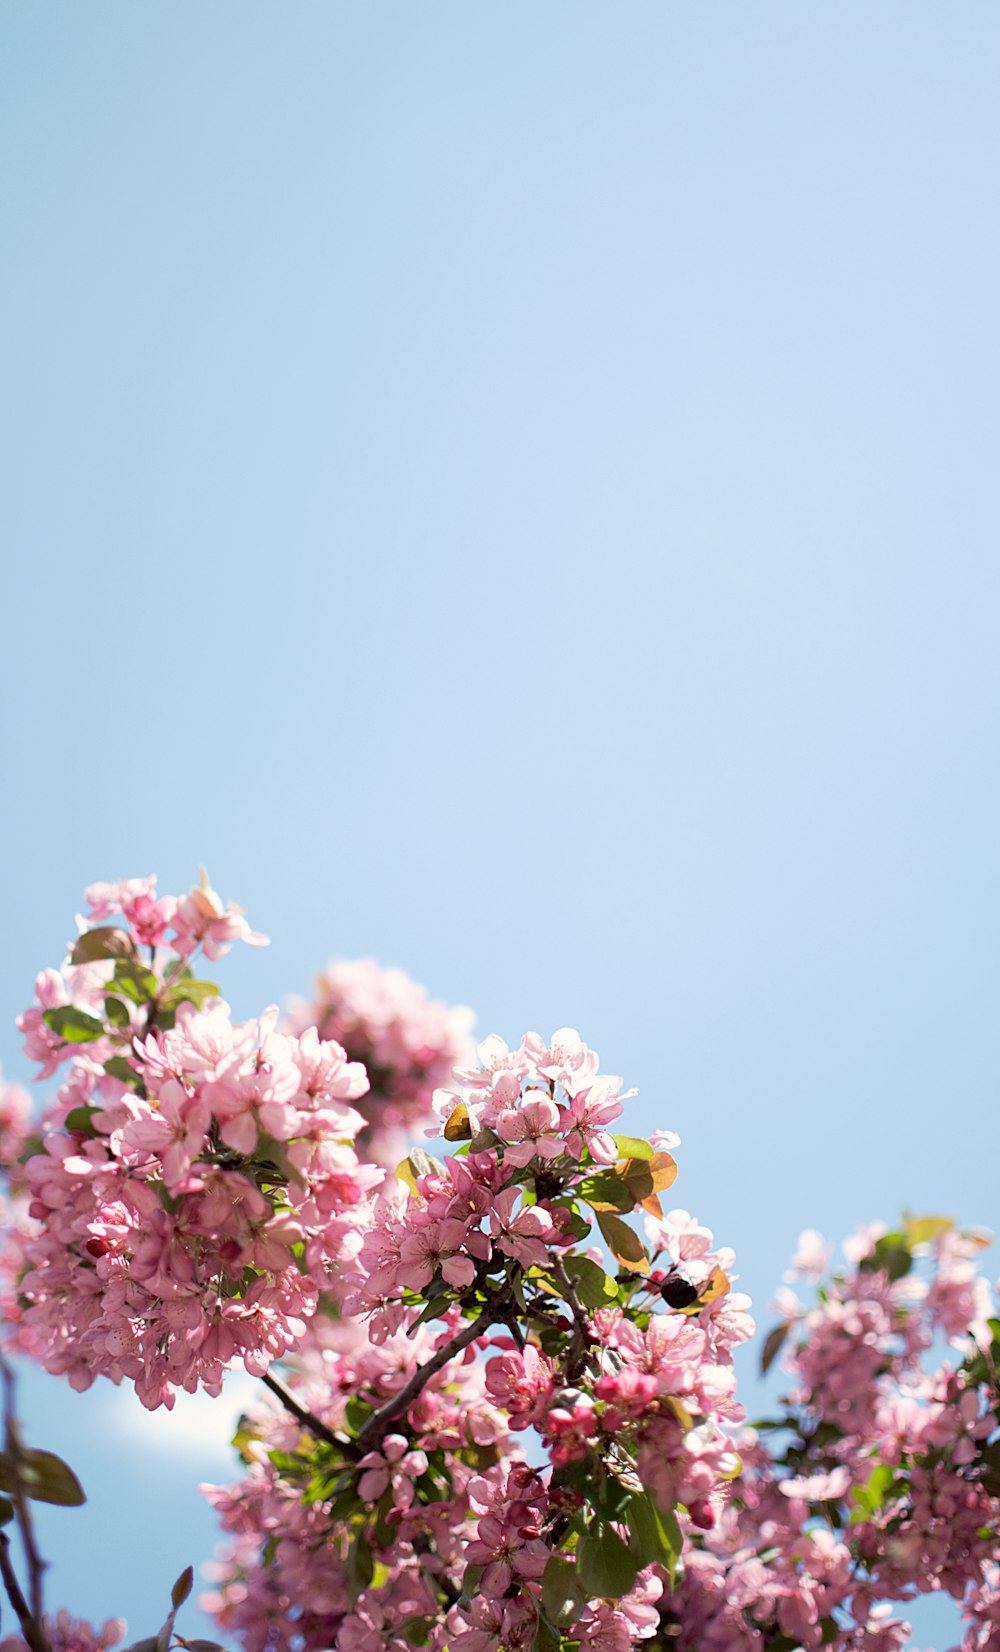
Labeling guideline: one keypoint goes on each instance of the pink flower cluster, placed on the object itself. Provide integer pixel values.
(889, 1485)
(178, 925)
(408, 1043)
(15, 1118)
(542, 1101)
(197, 1181)
(69, 1634)
(293, 1575)
(632, 1402)
(507, 1424)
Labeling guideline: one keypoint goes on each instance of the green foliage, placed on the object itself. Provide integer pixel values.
(607, 1567)
(72, 1025)
(773, 1344)
(632, 1147)
(96, 944)
(593, 1286)
(40, 1475)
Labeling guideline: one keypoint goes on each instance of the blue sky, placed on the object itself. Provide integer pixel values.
(513, 491)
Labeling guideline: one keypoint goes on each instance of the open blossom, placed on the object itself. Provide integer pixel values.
(545, 1101)
(522, 1236)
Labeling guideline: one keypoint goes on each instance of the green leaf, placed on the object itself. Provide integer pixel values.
(772, 1346)
(606, 1566)
(191, 992)
(72, 1025)
(653, 1534)
(132, 981)
(609, 1496)
(594, 1287)
(117, 1012)
(360, 1567)
(632, 1147)
(119, 1068)
(673, 1542)
(623, 1242)
(356, 1412)
(95, 944)
(182, 1588)
(6, 1511)
(644, 1530)
(42, 1476)
(562, 1597)
(607, 1192)
(547, 1637)
(891, 1255)
(80, 1119)
(870, 1498)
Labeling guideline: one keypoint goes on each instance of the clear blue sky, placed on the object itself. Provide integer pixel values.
(513, 490)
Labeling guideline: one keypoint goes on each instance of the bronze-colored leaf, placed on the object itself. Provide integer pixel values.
(459, 1125)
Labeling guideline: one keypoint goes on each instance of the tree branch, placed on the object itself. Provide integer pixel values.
(307, 1418)
(32, 1631)
(35, 1563)
(581, 1324)
(374, 1430)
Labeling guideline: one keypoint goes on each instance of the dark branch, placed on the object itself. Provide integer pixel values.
(307, 1418)
(32, 1631)
(375, 1428)
(36, 1565)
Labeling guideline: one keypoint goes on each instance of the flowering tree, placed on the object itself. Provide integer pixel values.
(496, 1414)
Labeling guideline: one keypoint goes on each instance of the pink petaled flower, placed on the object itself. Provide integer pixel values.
(586, 1117)
(41, 1044)
(394, 1465)
(506, 1622)
(174, 1127)
(108, 900)
(565, 1061)
(509, 1547)
(448, 1246)
(202, 921)
(530, 1131)
(819, 1488)
(135, 899)
(15, 1112)
(570, 1431)
(615, 1627)
(522, 1384)
(520, 1236)
(812, 1258)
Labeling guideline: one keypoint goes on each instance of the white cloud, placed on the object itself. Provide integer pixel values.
(197, 1425)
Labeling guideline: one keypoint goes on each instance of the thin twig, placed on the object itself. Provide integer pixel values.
(36, 1565)
(31, 1631)
(581, 1333)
